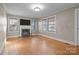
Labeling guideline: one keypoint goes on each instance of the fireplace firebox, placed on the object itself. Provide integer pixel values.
(25, 32)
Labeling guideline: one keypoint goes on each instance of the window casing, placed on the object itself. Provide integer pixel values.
(40, 26)
(44, 25)
(48, 25)
(52, 24)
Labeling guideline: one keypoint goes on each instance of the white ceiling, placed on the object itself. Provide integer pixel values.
(24, 9)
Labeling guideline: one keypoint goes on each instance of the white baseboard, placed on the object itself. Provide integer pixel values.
(58, 39)
(34, 34)
(2, 48)
(12, 36)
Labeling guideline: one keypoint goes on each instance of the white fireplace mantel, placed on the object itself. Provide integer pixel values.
(24, 27)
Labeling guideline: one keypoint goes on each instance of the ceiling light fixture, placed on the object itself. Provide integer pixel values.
(37, 9)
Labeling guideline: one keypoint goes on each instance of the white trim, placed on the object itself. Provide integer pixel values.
(2, 48)
(24, 27)
(75, 32)
(58, 39)
(48, 17)
(13, 36)
(34, 34)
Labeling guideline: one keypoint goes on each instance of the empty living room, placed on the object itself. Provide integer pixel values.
(39, 28)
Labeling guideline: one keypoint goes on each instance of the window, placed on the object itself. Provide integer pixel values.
(40, 26)
(13, 24)
(44, 24)
(52, 24)
(48, 25)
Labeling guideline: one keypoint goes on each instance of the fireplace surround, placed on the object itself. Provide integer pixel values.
(25, 32)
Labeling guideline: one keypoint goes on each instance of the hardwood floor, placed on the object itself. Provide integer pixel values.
(37, 45)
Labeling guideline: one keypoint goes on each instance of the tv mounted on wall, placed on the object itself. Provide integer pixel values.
(24, 22)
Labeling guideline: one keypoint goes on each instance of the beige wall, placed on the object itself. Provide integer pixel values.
(65, 25)
(34, 26)
(2, 28)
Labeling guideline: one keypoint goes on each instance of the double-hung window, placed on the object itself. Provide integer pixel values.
(44, 24)
(52, 24)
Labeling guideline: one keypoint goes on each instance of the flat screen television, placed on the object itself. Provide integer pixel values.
(24, 22)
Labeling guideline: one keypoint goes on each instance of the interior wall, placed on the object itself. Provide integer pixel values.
(64, 26)
(14, 33)
(77, 26)
(3, 24)
(34, 26)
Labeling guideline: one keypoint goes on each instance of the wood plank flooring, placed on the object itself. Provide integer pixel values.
(37, 45)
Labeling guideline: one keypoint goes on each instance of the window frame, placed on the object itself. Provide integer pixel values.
(53, 19)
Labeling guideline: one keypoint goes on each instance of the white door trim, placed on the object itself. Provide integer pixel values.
(76, 24)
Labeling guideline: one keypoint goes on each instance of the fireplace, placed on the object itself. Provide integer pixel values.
(25, 32)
